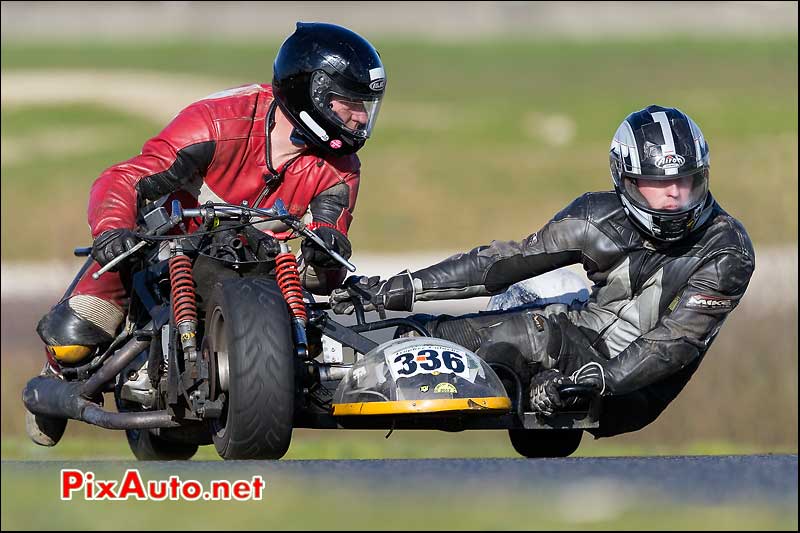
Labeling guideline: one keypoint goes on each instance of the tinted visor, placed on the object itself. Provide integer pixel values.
(352, 112)
(667, 194)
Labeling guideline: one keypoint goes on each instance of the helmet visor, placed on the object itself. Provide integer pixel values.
(670, 194)
(353, 112)
(355, 115)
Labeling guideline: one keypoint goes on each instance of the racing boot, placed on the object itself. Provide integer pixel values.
(45, 430)
(75, 327)
(72, 332)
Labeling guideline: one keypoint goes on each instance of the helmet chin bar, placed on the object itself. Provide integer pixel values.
(666, 228)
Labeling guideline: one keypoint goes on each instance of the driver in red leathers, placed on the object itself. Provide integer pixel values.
(295, 140)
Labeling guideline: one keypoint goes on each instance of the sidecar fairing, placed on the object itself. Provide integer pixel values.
(417, 376)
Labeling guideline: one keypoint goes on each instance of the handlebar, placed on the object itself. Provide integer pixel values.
(577, 390)
(278, 212)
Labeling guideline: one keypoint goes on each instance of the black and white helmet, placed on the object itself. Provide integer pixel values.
(660, 167)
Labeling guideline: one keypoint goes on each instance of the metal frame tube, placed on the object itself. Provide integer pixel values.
(113, 366)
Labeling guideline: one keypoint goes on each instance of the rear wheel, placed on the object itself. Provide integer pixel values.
(533, 443)
(249, 346)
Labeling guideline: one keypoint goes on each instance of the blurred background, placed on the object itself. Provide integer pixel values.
(496, 116)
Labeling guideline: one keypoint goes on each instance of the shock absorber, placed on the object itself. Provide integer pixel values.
(288, 277)
(184, 303)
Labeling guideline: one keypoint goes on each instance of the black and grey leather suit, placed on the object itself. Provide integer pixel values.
(653, 312)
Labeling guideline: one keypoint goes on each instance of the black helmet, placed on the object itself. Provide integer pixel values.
(329, 81)
(659, 164)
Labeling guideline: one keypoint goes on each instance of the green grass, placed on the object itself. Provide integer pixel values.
(461, 153)
(30, 501)
(93, 444)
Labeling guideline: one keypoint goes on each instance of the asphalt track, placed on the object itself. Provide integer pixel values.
(763, 479)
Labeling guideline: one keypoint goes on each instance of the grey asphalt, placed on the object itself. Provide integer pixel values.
(768, 479)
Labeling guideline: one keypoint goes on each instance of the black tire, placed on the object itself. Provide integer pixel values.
(248, 341)
(148, 447)
(535, 443)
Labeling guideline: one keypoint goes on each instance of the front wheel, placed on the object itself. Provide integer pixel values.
(249, 346)
(535, 443)
(148, 447)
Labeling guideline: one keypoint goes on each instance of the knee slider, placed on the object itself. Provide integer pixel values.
(74, 327)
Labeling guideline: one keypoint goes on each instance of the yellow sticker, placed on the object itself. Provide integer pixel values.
(448, 388)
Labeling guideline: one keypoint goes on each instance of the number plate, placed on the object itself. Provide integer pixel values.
(431, 359)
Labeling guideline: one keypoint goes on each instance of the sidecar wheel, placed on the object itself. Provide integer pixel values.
(147, 447)
(250, 349)
(534, 443)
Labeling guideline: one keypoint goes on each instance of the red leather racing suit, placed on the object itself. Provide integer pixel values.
(215, 149)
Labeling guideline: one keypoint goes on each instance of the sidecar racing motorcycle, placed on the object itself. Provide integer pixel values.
(222, 345)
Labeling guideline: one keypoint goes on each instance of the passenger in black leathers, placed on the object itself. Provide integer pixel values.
(667, 262)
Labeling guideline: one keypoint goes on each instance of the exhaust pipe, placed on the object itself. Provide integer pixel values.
(54, 397)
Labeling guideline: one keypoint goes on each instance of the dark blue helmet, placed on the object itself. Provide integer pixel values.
(329, 82)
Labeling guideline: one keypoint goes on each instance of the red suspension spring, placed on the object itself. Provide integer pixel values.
(289, 282)
(184, 304)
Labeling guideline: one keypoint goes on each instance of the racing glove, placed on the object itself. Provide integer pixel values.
(334, 239)
(394, 294)
(545, 397)
(112, 243)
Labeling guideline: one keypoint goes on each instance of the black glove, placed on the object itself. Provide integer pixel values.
(112, 243)
(396, 294)
(545, 398)
(263, 245)
(334, 239)
(545, 395)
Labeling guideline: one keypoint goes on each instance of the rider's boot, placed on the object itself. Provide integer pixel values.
(72, 331)
(76, 326)
(45, 430)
